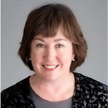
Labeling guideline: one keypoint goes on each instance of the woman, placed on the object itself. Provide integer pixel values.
(53, 46)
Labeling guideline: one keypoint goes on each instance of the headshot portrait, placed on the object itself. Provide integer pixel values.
(54, 54)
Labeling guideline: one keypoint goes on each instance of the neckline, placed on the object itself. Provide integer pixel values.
(37, 96)
(76, 81)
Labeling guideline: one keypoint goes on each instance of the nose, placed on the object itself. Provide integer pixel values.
(50, 54)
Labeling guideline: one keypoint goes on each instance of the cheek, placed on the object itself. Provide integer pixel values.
(36, 57)
(65, 56)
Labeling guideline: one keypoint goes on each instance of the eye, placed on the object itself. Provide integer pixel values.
(40, 45)
(60, 45)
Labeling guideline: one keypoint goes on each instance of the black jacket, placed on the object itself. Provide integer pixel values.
(89, 93)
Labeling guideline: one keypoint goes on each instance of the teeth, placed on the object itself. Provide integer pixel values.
(50, 67)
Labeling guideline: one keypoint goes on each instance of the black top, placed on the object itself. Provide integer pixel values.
(89, 93)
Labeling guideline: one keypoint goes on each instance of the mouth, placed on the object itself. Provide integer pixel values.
(50, 67)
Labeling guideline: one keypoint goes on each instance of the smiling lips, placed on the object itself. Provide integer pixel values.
(50, 67)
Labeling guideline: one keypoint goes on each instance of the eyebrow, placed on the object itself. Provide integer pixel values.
(54, 40)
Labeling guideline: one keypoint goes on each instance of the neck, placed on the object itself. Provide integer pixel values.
(59, 85)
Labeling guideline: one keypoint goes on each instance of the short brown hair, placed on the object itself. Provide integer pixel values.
(45, 21)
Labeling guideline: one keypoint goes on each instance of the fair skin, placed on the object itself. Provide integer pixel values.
(51, 59)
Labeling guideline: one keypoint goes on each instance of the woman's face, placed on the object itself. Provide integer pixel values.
(51, 57)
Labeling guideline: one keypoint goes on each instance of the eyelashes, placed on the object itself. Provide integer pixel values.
(43, 46)
(60, 45)
(40, 45)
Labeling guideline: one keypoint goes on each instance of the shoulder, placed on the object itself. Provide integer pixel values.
(93, 91)
(14, 93)
(16, 87)
(90, 82)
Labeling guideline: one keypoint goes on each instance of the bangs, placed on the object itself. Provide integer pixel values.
(47, 24)
(48, 27)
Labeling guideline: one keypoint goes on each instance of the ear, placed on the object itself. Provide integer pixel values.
(73, 55)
